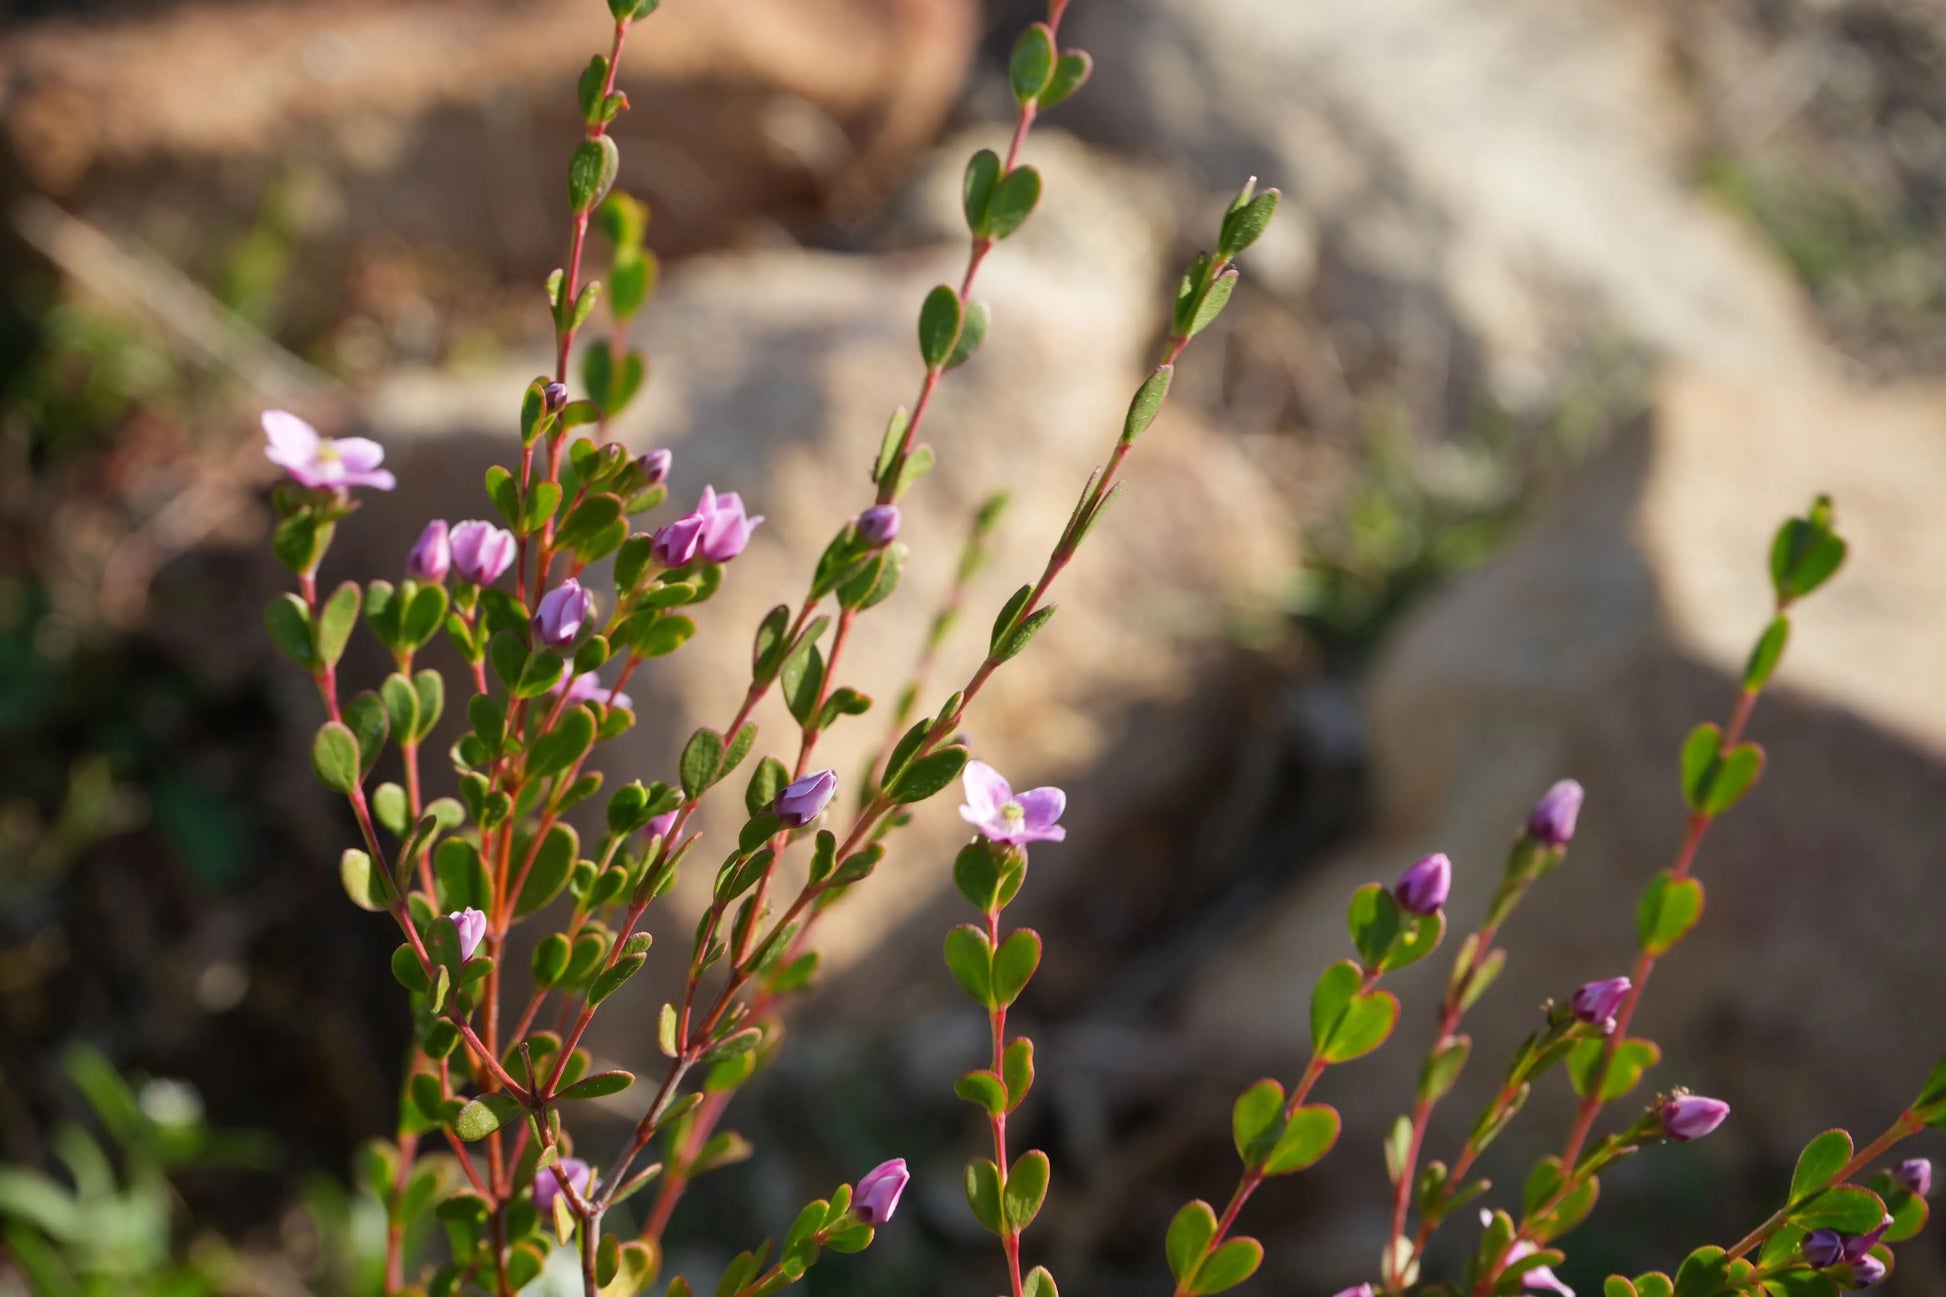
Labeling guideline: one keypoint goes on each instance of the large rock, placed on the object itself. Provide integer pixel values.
(1807, 996)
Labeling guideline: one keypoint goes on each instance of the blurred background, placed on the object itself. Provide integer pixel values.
(1570, 302)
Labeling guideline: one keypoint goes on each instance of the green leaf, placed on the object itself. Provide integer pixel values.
(599, 1085)
(1805, 553)
(1818, 1165)
(610, 981)
(1031, 66)
(289, 624)
(484, 1115)
(1365, 1025)
(334, 756)
(1024, 633)
(1189, 1238)
(982, 174)
(1632, 1058)
(701, 758)
(970, 955)
(1013, 200)
(1255, 1120)
(1442, 1068)
(553, 864)
(1070, 73)
(1017, 1070)
(366, 718)
(1699, 763)
(939, 326)
(1670, 907)
(1336, 985)
(366, 885)
(591, 172)
(928, 775)
(1245, 223)
(1147, 403)
(1375, 920)
(1844, 1207)
(1228, 1266)
(335, 621)
(983, 1192)
(766, 781)
(1307, 1137)
(1026, 1188)
(563, 745)
(973, 331)
(1039, 1283)
(1767, 653)
(1734, 774)
(983, 1090)
(1014, 963)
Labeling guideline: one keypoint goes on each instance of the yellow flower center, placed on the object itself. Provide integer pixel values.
(1013, 811)
(327, 452)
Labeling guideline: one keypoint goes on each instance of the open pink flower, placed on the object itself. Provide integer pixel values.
(726, 529)
(316, 461)
(992, 808)
(588, 688)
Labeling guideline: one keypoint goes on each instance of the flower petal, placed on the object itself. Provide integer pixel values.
(290, 437)
(986, 790)
(1042, 806)
(360, 454)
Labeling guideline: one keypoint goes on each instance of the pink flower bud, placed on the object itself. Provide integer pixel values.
(1360, 1290)
(555, 397)
(481, 551)
(675, 543)
(1422, 889)
(1691, 1116)
(878, 525)
(561, 614)
(547, 1187)
(805, 800)
(655, 466)
(1552, 820)
(660, 825)
(878, 1192)
(1597, 1001)
(472, 930)
(432, 554)
(1915, 1173)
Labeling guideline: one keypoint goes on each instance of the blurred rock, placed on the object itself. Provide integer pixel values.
(1522, 164)
(773, 376)
(1590, 650)
(446, 126)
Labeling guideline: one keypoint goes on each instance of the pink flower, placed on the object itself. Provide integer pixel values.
(675, 542)
(659, 826)
(878, 1192)
(547, 1187)
(432, 554)
(992, 808)
(561, 614)
(1540, 1276)
(481, 551)
(316, 461)
(1423, 888)
(1597, 1002)
(725, 528)
(588, 688)
(1692, 1116)
(472, 930)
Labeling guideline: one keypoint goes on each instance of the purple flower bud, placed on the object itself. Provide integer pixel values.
(432, 555)
(472, 930)
(659, 826)
(554, 396)
(674, 543)
(319, 461)
(1553, 816)
(726, 530)
(1915, 1173)
(655, 466)
(878, 525)
(1824, 1247)
(547, 1187)
(805, 800)
(1691, 1116)
(1422, 889)
(1859, 1245)
(878, 1192)
(1360, 1290)
(481, 551)
(563, 610)
(1861, 1272)
(1597, 1001)
(993, 808)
